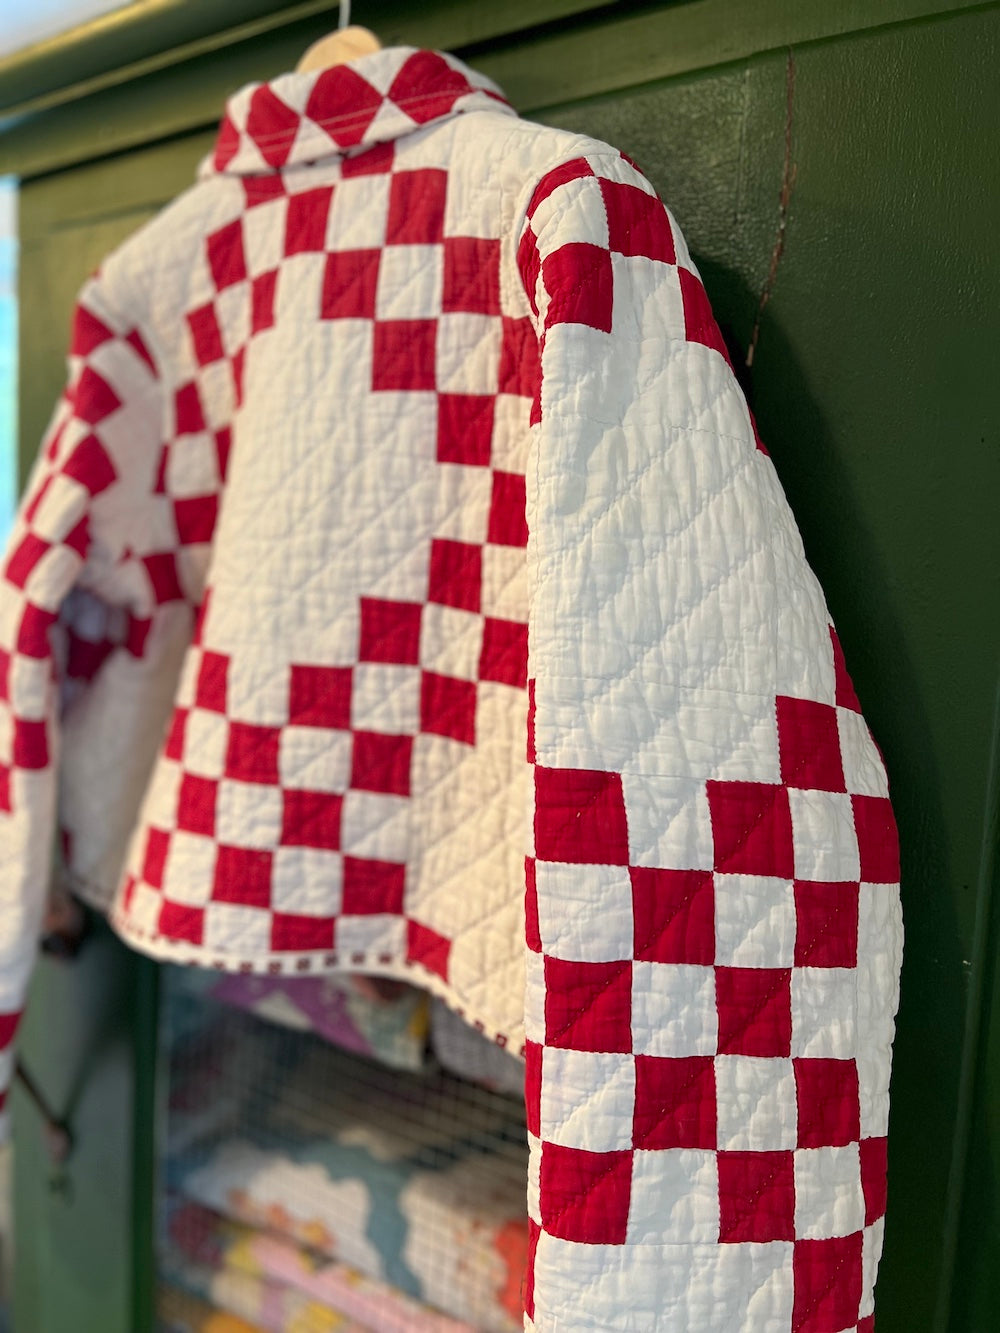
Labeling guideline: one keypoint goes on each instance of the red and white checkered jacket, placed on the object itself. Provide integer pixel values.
(401, 487)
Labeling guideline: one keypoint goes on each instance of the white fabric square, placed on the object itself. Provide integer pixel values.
(587, 1099)
(871, 1252)
(358, 213)
(375, 826)
(505, 583)
(190, 869)
(754, 921)
(306, 881)
(675, 1197)
(264, 235)
(755, 1104)
(863, 771)
(535, 1149)
(823, 836)
(370, 935)
(828, 1197)
(206, 736)
(669, 823)
(409, 282)
(534, 997)
(386, 698)
(236, 930)
(314, 759)
(824, 1012)
(468, 353)
(451, 641)
(248, 814)
(257, 690)
(673, 1010)
(880, 933)
(466, 490)
(585, 912)
(192, 465)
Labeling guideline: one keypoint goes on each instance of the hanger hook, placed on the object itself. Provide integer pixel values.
(345, 14)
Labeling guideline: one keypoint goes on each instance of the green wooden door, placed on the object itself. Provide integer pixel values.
(834, 169)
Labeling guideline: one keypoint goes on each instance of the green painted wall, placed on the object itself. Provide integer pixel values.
(873, 381)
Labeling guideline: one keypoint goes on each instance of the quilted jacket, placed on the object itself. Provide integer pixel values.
(402, 580)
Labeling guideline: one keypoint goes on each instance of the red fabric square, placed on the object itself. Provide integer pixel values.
(533, 1087)
(826, 1093)
(374, 161)
(673, 912)
(471, 275)
(320, 697)
(456, 574)
(206, 336)
(252, 753)
(580, 817)
(751, 828)
(637, 222)
(756, 1196)
(826, 924)
(390, 631)
(93, 398)
(88, 332)
(90, 465)
(465, 428)
(262, 291)
(588, 1006)
(755, 1010)
(844, 687)
(155, 860)
(33, 632)
(504, 655)
(311, 819)
(349, 283)
(173, 746)
(261, 189)
(533, 934)
(809, 745)
(9, 1024)
(404, 354)
(827, 1280)
(344, 104)
(4, 674)
(223, 445)
(272, 124)
(306, 219)
(427, 86)
(210, 687)
(381, 763)
(6, 800)
(674, 1102)
(874, 1166)
(31, 744)
(416, 207)
(448, 707)
(520, 370)
(566, 172)
(878, 841)
(579, 280)
(867, 1325)
(699, 322)
(195, 519)
(585, 1196)
(179, 922)
(23, 559)
(225, 255)
(371, 887)
(188, 415)
(196, 805)
(508, 525)
(529, 265)
(290, 933)
(242, 875)
(135, 341)
(427, 947)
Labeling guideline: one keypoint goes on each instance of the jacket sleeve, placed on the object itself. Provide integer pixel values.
(69, 561)
(712, 891)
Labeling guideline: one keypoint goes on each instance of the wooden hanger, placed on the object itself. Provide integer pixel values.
(337, 48)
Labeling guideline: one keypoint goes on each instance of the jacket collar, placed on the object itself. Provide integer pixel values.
(299, 118)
